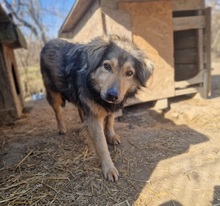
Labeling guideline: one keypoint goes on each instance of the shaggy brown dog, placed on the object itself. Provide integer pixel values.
(97, 77)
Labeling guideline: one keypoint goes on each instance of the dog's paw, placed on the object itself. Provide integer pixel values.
(62, 131)
(111, 173)
(114, 139)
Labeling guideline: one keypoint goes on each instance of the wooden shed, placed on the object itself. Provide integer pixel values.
(11, 98)
(175, 34)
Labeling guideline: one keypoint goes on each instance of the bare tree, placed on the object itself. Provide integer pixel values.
(29, 14)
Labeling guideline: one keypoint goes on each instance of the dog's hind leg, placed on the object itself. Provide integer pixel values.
(56, 101)
(111, 136)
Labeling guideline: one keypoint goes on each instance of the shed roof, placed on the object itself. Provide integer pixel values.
(77, 11)
(10, 34)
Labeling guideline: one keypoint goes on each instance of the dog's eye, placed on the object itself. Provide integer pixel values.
(107, 66)
(129, 73)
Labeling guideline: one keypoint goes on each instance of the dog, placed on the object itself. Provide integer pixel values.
(98, 78)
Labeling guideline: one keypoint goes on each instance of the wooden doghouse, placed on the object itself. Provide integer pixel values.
(11, 99)
(174, 33)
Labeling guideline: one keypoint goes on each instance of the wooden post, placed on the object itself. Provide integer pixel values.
(207, 83)
(200, 55)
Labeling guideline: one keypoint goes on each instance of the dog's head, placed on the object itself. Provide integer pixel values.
(117, 68)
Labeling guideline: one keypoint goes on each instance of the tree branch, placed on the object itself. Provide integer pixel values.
(21, 20)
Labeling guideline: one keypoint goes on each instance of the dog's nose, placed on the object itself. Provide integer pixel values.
(112, 95)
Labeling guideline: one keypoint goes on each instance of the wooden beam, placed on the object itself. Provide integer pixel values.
(200, 59)
(190, 90)
(186, 23)
(208, 48)
(200, 45)
(182, 5)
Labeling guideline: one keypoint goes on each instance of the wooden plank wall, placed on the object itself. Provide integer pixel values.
(14, 80)
(189, 22)
(152, 31)
(5, 90)
(185, 54)
(11, 102)
(192, 51)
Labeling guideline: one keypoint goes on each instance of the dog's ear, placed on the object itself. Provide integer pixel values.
(96, 49)
(145, 69)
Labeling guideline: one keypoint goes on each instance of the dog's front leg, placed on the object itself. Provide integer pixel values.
(96, 131)
(111, 137)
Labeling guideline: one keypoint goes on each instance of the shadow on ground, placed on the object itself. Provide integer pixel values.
(216, 196)
(40, 166)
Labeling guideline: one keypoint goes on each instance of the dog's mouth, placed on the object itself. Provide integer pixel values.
(111, 99)
(112, 102)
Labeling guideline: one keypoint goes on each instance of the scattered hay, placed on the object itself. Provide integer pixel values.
(55, 170)
(63, 172)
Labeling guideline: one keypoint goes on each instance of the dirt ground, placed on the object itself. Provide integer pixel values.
(166, 158)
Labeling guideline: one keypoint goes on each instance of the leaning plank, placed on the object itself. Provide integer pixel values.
(185, 23)
(185, 71)
(195, 80)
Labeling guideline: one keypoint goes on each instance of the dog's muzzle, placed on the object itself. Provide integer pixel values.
(112, 95)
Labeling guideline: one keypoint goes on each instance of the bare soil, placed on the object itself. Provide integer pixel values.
(166, 157)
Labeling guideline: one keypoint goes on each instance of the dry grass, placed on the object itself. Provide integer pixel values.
(62, 172)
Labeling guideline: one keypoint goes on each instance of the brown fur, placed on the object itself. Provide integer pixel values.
(97, 78)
